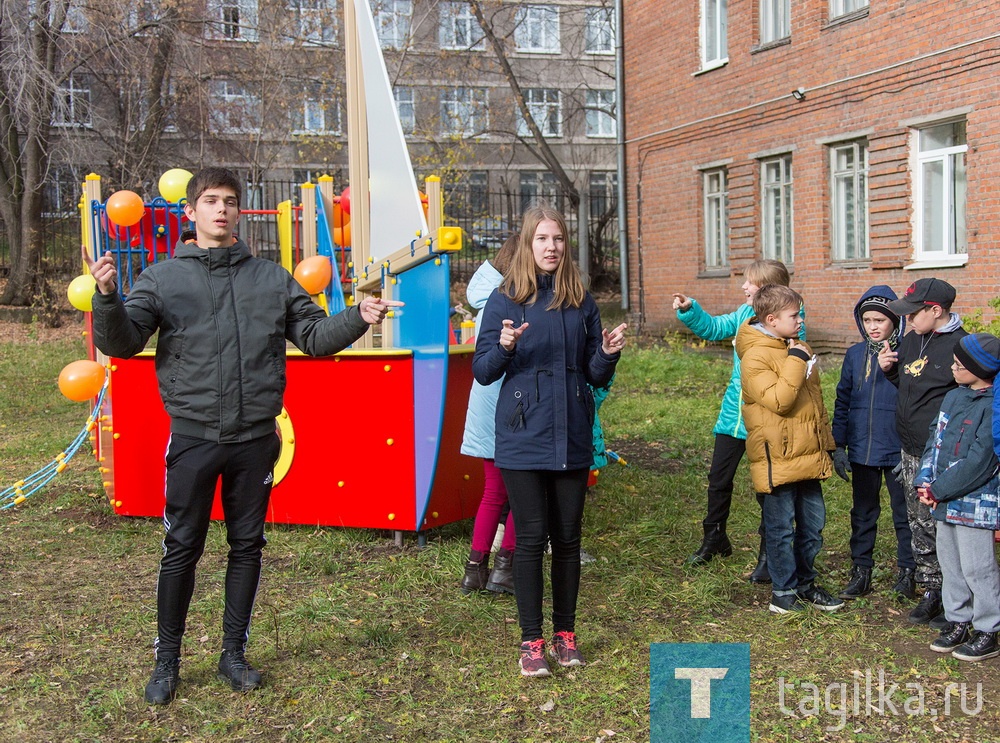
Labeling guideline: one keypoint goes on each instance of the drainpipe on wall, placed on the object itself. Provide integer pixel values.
(620, 150)
(583, 230)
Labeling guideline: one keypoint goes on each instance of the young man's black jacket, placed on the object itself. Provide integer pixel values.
(223, 317)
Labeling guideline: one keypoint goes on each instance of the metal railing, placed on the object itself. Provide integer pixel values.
(486, 217)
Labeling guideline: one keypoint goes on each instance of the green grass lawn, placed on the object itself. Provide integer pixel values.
(362, 641)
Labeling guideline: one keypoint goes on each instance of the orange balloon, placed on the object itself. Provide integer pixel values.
(125, 208)
(81, 380)
(314, 273)
(340, 217)
(342, 235)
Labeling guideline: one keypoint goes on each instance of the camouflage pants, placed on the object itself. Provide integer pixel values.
(921, 526)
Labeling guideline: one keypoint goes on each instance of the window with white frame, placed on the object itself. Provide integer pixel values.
(843, 7)
(406, 108)
(168, 110)
(464, 111)
(143, 14)
(479, 195)
(940, 190)
(601, 120)
(71, 107)
(317, 113)
(715, 204)
(538, 187)
(62, 191)
(603, 192)
(776, 208)
(235, 20)
(315, 21)
(545, 106)
(599, 35)
(714, 30)
(76, 16)
(235, 110)
(849, 201)
(458, 27)
(392, 22)
(537, 29)
(775, 20)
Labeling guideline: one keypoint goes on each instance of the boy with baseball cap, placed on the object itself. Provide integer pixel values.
(920, 367)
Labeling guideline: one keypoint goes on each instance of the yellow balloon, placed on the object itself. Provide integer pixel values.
(81, 292)
(173, 184)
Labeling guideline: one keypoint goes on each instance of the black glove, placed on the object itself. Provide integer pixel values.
(841, 465)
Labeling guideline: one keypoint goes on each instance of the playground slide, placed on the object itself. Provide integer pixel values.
(325, 247)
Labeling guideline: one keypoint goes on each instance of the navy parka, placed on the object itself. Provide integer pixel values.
(545, 411)
(864, 416)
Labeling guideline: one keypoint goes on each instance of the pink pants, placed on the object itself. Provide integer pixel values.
(488, 515)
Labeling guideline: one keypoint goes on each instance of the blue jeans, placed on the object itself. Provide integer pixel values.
(794, 517)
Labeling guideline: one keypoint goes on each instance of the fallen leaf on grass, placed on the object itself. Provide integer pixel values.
(548, 706)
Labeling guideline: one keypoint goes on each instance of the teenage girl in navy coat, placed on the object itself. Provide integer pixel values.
(542, 333)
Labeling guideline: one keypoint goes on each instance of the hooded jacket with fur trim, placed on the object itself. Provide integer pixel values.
(788, 430)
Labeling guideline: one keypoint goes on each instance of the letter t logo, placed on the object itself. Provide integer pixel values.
(701, 688)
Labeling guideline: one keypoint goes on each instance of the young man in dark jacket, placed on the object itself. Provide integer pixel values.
(223, 317)
(921, 369)
(868, 447)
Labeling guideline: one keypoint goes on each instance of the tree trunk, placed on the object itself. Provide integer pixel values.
(26, 284)
(542, 149)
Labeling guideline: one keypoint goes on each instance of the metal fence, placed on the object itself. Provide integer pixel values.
(487, 217)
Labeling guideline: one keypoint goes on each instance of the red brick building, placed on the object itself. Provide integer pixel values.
(857, 140)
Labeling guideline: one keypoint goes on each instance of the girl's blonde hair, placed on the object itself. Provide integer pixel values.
(520, 281)
(767, 271)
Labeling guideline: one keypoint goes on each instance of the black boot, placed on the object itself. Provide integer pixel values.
(929, 607)
(714, 543)
(906, 584)
(859, 585)
(760, 572)
(501, 580)
(477, 574)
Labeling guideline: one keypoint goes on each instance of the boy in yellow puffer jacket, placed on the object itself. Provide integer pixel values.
(788, 444)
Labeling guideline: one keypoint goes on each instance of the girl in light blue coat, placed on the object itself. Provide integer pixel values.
(730, 433)
(479, 441)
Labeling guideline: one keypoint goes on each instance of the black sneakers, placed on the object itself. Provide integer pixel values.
(983, 645)
(928, 608)
(233, 667)
(820, 599)
(951, 639)
(785, 604)
(162, 684)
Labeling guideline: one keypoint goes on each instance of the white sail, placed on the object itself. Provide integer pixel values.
(396, 212)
